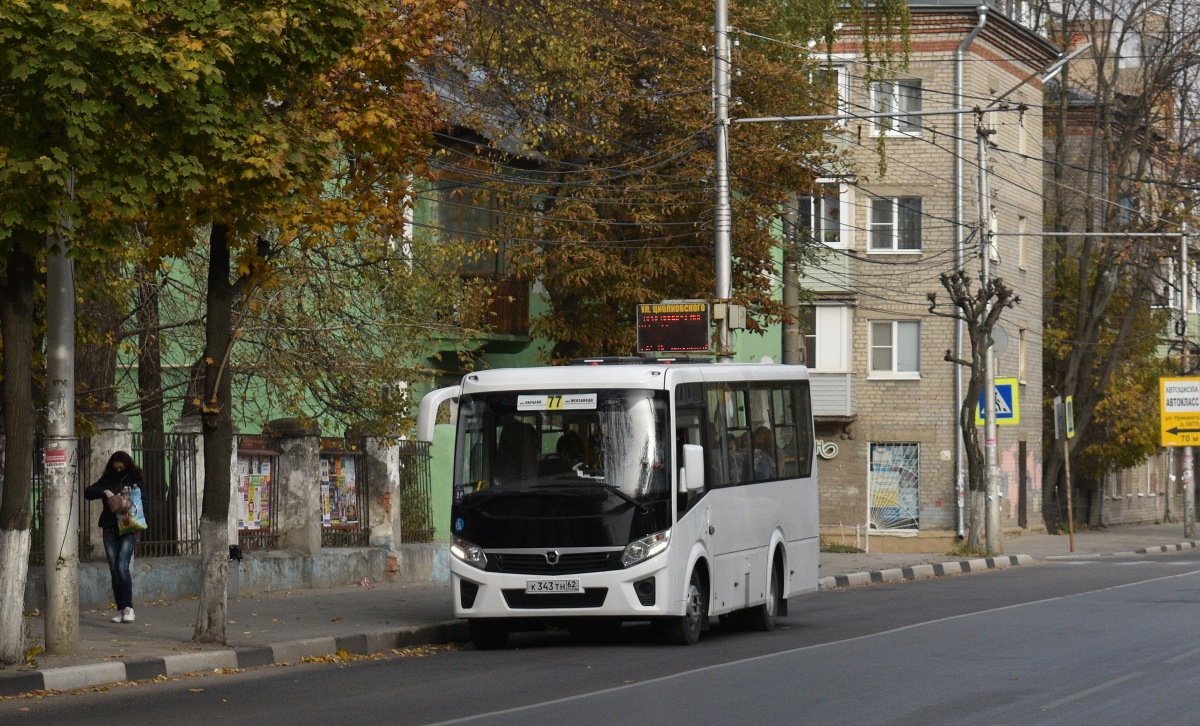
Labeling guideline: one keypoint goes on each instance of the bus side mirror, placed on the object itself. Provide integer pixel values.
(691, 475)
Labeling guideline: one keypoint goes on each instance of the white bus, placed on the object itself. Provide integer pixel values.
(574, 503)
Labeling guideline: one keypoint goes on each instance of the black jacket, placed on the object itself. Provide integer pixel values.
(114, 483)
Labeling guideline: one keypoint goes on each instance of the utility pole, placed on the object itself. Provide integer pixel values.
(60, 492)
(1189, 478)
(723, 247)
(994, 536)
(793, 337)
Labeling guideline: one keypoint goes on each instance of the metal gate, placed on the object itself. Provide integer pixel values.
(893, 491)
(416, 515)
(37, 502)
(170, 495)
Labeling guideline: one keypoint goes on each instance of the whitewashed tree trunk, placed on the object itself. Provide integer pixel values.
(977, 517)
(14, 570)
(214, 574)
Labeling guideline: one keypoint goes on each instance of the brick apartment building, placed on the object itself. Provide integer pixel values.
(883, 394)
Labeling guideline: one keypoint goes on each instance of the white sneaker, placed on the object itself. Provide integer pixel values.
(125, 616)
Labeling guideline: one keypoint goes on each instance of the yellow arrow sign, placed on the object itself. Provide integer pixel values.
(1179, 406)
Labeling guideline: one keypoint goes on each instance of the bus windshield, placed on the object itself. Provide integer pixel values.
(520, 441)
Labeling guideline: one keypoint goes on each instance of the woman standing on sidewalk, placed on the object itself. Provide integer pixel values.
(120, 476)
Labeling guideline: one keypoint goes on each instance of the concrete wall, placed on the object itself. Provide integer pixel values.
(171, 578)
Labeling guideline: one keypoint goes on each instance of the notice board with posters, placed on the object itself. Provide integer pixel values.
(339, 490)
(674, 327)
(255, 482)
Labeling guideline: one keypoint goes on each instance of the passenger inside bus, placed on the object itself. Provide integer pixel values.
(516, 453)
(765, 455)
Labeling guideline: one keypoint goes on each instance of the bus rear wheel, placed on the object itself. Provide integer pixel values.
(488, 634)
(685, 630)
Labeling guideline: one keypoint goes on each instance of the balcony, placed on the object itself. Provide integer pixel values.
(832, 396)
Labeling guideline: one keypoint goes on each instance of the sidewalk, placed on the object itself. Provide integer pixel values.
(371, 618)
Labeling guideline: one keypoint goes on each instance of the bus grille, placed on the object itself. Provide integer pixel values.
(568, 564)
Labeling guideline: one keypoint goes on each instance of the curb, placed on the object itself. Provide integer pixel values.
(288, 651)
(1189, 545)
(921, 572)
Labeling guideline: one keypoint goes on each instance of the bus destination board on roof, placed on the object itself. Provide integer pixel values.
(673, 327)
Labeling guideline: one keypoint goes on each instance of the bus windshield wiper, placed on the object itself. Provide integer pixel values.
(597, 485)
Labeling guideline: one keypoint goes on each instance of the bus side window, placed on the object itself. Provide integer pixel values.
(718, 402)
(764, 459)
(737, 431)
(804, 429)
(783, 410)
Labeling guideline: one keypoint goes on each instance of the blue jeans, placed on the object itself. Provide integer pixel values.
(118, 548)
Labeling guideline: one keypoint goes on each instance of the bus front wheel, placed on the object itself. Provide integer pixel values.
(685, 630)
(488, 634)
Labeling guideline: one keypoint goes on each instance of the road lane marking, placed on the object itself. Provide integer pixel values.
(792, 651)
(1090, 691)
(1181, 656)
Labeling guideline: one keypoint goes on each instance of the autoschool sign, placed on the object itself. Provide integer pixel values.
(1179, 408)
(681, 326)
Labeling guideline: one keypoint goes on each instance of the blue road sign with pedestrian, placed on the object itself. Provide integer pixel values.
(1008, 403)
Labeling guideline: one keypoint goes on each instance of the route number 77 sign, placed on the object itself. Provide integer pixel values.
(1179, 406)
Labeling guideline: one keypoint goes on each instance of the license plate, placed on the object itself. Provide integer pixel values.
(540, 587)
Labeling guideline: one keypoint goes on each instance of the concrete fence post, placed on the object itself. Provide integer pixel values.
(114, 433)
(381, 460)
(298, 493)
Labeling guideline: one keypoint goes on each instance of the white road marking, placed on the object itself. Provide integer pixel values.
(1090, 691)
(1181, 656)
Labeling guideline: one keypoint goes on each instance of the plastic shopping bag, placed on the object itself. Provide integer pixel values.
(133, 520)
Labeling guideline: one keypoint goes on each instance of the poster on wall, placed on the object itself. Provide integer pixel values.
(339, 492)
(254, 491)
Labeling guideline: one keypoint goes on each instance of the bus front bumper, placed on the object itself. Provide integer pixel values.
(638, 592)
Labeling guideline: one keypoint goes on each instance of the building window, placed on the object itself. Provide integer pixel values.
(900, 97)
(1022, 227)
(826, 337)
(895, 349)
(895, 224)
(833, 80)
(467, 213)
(893, 487)
(1021, 353)
(820, 217)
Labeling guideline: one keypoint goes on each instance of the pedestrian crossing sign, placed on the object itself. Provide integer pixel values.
(1008, 403)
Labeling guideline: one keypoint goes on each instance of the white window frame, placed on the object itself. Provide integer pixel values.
(831, 336)
(845, 212)
(880, 126)
(840, 64)
(895, 224)
(891, 374)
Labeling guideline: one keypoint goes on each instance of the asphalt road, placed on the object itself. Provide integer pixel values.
(1090, 642)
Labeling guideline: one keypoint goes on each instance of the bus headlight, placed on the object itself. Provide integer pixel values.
(467, 552)
(645, 548)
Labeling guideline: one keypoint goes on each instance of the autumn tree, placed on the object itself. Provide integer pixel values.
(1121, 149)
(591, 126)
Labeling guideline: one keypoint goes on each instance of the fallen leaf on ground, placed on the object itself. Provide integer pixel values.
(196, 690)
(334, 620)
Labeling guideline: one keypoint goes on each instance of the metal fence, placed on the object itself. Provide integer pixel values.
(257, 500)
(345, 494)
(170, 494)
(416, 515)
(37, 500)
